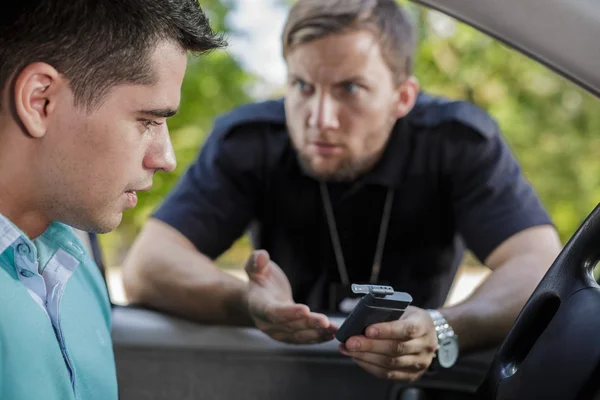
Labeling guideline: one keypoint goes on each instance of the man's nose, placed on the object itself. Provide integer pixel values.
(323, 113)
(160, 155)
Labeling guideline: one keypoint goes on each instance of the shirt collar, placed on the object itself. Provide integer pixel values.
(391, 168)
(59, 234)
(9, 233)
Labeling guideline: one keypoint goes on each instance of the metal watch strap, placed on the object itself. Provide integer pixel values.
(441, 325)
(443, 330)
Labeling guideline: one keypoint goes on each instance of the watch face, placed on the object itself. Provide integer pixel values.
(448, 352)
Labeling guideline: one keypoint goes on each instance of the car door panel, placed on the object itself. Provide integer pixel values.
(163, 357)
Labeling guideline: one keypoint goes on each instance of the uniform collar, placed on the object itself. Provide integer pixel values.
(391, 168)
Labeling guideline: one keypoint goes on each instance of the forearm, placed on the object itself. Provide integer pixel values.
(191, 287)
(484, 319)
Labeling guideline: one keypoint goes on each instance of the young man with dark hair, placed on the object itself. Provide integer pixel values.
(356, 177)
(87, 87)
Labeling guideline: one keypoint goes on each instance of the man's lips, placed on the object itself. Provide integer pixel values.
(132, 198)
(143, 189)
(325, 149)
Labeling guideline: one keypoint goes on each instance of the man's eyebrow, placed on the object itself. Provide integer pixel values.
(160, 113)
(354, 78)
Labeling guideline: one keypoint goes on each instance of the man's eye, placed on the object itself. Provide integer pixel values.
(149, 123)
(304, 87)
(350, 87)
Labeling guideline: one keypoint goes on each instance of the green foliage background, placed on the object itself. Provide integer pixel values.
(550, 124)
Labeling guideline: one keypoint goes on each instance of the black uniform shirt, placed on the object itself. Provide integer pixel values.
(454, 179)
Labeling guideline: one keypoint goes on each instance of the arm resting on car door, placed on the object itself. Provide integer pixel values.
(164, 270)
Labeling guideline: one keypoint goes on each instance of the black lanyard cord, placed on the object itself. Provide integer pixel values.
(335, 239)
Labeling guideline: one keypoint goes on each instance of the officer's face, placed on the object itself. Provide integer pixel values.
(341, 104)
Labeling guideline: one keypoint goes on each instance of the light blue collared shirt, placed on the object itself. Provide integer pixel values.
(54, 319)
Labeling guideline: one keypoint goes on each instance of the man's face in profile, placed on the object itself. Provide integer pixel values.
(341, 104)
(94, 162)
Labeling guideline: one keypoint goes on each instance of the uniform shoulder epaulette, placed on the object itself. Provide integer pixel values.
(270, 112)
(432, 111)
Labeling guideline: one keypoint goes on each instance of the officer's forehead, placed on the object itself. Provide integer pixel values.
(338, 56)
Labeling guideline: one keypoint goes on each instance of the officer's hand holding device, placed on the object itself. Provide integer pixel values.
(380, 304)
(393, 340)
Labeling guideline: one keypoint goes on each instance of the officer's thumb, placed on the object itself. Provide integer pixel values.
(257, 262)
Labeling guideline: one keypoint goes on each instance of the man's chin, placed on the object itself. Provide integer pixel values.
(329, 173)
(101, 225)
(111, 224)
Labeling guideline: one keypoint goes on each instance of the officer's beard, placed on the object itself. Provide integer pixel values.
(347, 169)
(352, 166)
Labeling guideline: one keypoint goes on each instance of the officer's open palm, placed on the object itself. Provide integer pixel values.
(273, 309)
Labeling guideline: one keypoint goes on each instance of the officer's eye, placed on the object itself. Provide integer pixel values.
(303, 87)
(350, 87)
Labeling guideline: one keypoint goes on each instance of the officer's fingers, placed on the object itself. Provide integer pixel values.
(257, 262)
(402, 329)
(333, 328)
(410, 363)
(320, 320)
(312, 336)
(392, 348)
(386, 373)
(306, 336)
(311, 321)
(281, 313)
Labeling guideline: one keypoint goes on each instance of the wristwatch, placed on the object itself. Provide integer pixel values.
(447, 352)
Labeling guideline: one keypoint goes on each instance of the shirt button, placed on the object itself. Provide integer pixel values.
(76, 248)
(23, 249)
(26, 273)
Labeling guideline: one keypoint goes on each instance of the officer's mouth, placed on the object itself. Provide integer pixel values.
(325, 149)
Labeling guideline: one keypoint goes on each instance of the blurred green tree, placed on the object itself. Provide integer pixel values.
(549, 123)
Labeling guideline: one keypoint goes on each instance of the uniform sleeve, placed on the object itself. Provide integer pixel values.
(491, 198)
(215, 200)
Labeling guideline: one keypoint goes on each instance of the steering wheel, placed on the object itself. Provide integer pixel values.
(553, 349)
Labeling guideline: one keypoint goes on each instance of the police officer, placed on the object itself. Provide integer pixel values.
(356, 176)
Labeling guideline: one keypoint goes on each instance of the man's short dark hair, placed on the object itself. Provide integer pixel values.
(310, 20)
(98, 44)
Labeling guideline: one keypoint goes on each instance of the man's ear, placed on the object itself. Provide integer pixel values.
(407, 93)
(35, 90)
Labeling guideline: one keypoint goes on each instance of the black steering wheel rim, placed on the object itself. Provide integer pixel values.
(553, 349)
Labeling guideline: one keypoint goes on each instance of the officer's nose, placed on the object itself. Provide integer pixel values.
(323, 113)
